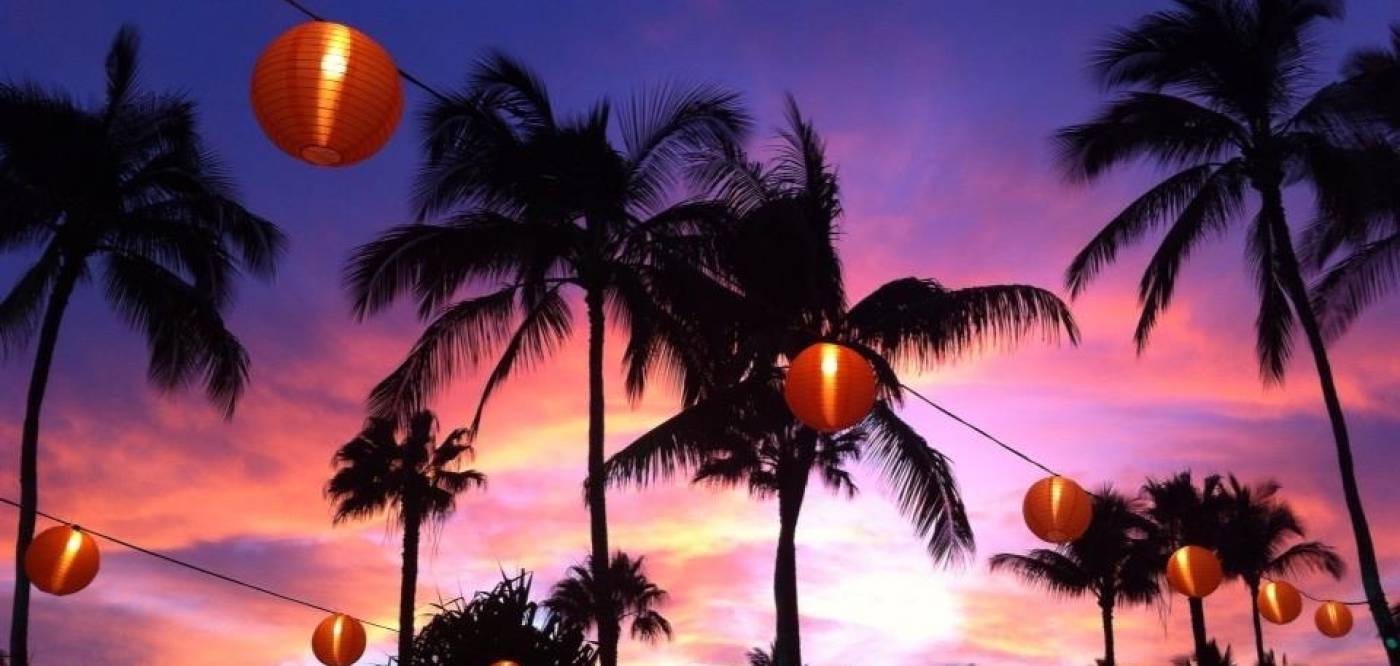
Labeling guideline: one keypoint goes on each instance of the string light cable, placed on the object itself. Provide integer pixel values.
(406, 76)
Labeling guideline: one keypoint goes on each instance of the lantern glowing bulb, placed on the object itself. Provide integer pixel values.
(505, 662)
(1057, 510)
(1279, 602)
(1333, 619)
(62, 560)
(830, 387)
(339, 640)
(1194, 571)
(327, 94)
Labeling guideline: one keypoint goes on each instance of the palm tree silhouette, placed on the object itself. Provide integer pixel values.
(416, 481)
(1217, 89)
(635, 598)
(1187, 515)
(502, 626)
(1256, 526)
(126, 188)
(542, 205)
(1117, 561)
(785, 292)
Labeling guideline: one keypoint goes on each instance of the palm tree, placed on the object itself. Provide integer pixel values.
(1116, 562)
(1187, 516)
(502, 626)
(543, 205)
(784, 291)
(1256, 527)
(635, 599)
(416, 481)
(1216, 90)
(1211, 656)
(127, 188)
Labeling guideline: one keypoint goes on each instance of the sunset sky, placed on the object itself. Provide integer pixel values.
(938, 115)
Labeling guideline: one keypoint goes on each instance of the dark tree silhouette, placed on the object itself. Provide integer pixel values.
(126, 190)
(1219, 90)
(1187, 516)
(501, 625)
(1210, 656)
(537, 206)
(783, 290)
(415, 481)
(635, 599)
(1254, 544)
(1117, 562)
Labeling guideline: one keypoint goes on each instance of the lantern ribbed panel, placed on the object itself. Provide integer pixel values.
(1194, 571)
(62, 560)
(339, 640)
(1333, 619)
(326, 93)
(1057, 510)
(830, 387)
(1279, 602)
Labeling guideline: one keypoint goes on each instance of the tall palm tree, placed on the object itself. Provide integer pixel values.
(416, 481)
(784, 291)
(1217, 91)
(535, 206)
(126, 188)
(1254, 536)
(635, 599)
(1116, 562)
(1187, 516)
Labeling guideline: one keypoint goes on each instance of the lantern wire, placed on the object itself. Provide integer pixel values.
(406, 76)
(194, 567)
(1319, 600)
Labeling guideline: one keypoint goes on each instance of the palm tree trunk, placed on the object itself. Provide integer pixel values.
(29, 459)
(1273, 212)
(408, 584)
(1198, 628)
(787, 649)
(608, 626)
(1106, 605)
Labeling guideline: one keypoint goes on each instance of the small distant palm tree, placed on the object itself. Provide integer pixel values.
(1187, 516)
(415, 481)
(1210, 656)
(1116, 562)
(760, 657)
(1254, 544)
(125, 193)
(635, 599)
(501, 625)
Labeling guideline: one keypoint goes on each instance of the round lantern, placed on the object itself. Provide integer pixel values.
(62, 560)
(338, 641)
(1333, 619)
(326, 93)
(1194, 571)
(830, 387)
(1279, 602)
(505, 662)
(1057, 510)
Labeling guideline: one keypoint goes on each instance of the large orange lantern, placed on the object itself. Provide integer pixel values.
(338, 641)
(1194, 571)
(326, 93)
(1333, 619)
(62, 560)
(1279, 602)
(1057, 510)
(830, 387)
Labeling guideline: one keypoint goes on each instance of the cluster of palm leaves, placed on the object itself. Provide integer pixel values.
(502, 625)
(1120, 560)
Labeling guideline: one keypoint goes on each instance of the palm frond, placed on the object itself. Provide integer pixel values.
(21, 308)
(1274, 323)
(664, 128)
(1046, 569)
(1173, 131)
(1356, 282)
(541, 331)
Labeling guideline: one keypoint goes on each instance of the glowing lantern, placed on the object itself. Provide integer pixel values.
(61, 560)
(505, 662)
(830, 387)
(326, 93)
(1194, 571)
(338, 641)
(1057, 510)
(1333, 619)
(1279, 602)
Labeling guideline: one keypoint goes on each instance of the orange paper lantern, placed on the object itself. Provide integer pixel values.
(505, 662)
(326, 93)
(830, 387)
(62, 560)
(1333, 619)
(1057, 510)
(1279, 602)
(338, 641)
(1194, 571)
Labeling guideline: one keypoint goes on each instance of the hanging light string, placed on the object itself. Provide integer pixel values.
(1026, 457)
(196, 568)
(406, 76)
